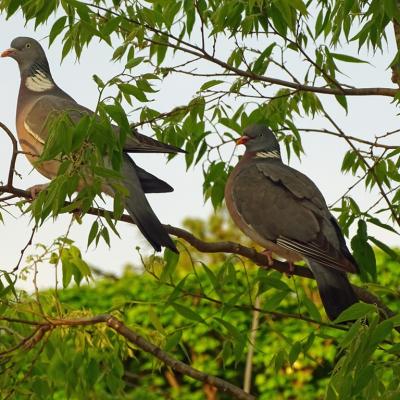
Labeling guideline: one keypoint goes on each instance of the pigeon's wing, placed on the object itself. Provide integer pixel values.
(287, 208)
(46, 109)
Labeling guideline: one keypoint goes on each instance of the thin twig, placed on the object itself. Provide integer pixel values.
(24, 249)
(179, 44)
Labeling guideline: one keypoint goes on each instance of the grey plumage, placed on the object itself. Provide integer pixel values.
(334, 288)
(283, 210)
(41, 99)
(140, 211)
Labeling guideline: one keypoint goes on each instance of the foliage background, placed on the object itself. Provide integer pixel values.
(200, 307)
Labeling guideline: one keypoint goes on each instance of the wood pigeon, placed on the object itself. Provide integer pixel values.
(39, 97)
(283, 210)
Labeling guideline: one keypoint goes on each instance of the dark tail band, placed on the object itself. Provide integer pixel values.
(334, 288)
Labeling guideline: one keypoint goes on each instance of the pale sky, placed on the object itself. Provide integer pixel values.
(368, 116)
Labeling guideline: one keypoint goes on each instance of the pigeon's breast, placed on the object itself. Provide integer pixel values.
(247, 228)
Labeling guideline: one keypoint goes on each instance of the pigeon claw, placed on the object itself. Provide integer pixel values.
(291, 270)
(36, 189)
(268, 254)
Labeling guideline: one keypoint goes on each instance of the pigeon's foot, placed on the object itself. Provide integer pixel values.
(268, 254)
(36, 189)
(77, 215)
(291, 270)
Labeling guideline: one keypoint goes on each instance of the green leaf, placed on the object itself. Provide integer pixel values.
(260, 65)
(210, 84)
(279, 360)
(67, 268)
(233, 330)
(172, 341)
(346, 58)
(133, 90)
(363, 253)
(105, 235)
(99, 81)
(171, 261)
(231, 124)
(381, 332)
(352, 333)
(348, 161)
(355, 312)
(57, 28)
(341, 99)
(111, 25)
(363, 378)
(294, 352)
(213, 279)
(133, 62)
(177, 291)
(272, 302)
(155, 320)
(12, 7)
(11, 283)
(393, 255)
(312, 309)
(188, 313)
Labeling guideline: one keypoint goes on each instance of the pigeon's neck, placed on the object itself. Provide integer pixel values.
(267, 154)
(37, 77)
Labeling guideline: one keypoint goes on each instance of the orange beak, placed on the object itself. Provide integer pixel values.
(242, 140)
(8, 52)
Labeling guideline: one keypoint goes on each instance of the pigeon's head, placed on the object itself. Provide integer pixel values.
(259, 138)
(27, 52)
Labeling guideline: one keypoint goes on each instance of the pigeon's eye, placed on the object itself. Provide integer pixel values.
(28, 45)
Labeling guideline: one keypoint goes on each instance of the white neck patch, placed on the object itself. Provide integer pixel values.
(39, 82)
(269, 154)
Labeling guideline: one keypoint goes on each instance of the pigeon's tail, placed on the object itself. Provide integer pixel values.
(140, 210)
(152, 184)
(147, 144)
(334, 288)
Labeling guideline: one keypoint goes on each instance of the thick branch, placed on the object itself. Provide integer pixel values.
(120, 328)
(231, 248)
(202, 246)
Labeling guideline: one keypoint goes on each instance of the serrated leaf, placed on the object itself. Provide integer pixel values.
(354, 312)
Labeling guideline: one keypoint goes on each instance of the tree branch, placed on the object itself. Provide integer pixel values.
(190, 48)
(203, 246)
(230, 248)
(13, 156)
(131, 336)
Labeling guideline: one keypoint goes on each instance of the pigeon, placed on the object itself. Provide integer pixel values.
(40, 97)
(282, 210)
